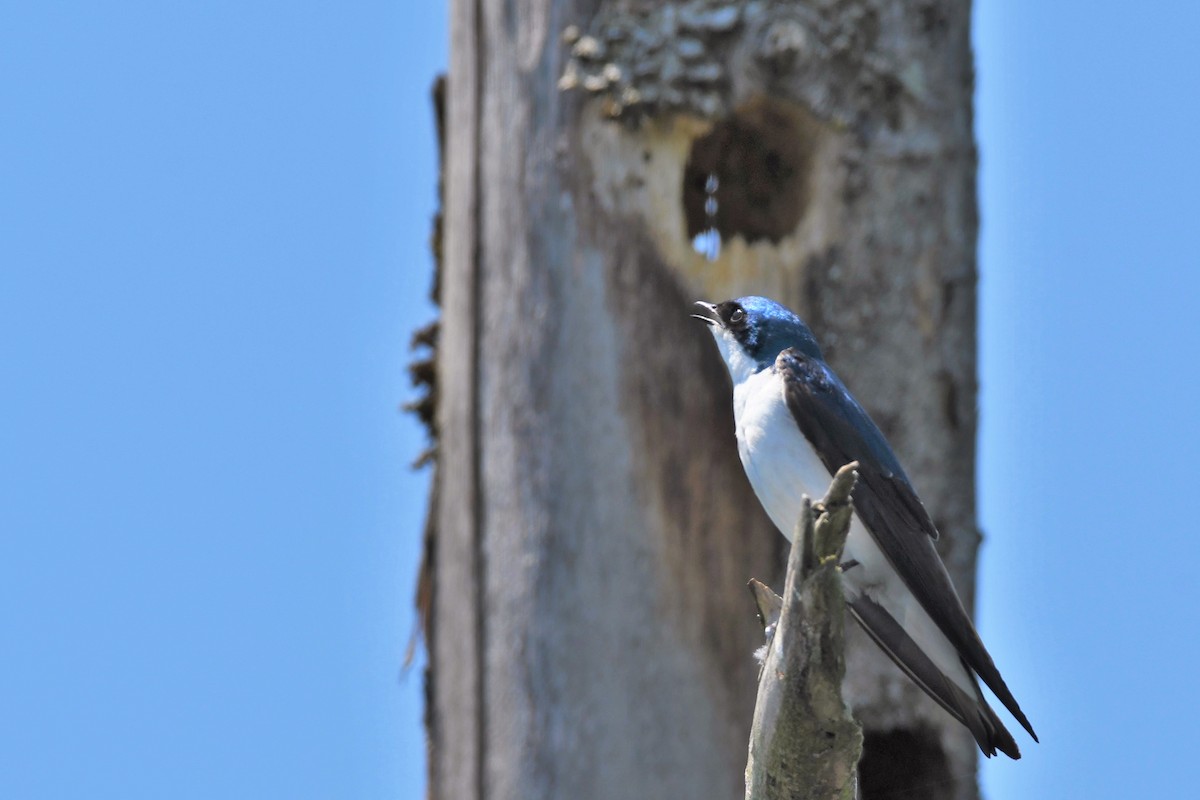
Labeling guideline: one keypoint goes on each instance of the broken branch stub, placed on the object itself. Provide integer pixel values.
(804, 742)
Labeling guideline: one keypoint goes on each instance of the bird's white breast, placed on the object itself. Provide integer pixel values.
(780, 463)
(783, 467)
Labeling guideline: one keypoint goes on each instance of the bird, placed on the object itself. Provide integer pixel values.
(796, 425)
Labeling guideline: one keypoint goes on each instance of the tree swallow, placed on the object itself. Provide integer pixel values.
(796, 425)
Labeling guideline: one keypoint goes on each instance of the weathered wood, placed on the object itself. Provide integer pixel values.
(804, 743)
(594, 529)
(456, 620)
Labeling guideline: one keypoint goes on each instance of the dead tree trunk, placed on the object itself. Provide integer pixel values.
(592, 530)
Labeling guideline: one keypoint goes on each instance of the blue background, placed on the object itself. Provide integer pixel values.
(213, 249)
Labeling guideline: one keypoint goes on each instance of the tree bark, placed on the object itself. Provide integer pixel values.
(589, 635)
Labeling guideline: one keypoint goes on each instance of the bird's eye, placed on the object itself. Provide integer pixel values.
(736, 316)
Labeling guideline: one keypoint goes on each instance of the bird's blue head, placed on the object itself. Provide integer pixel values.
(752, 331)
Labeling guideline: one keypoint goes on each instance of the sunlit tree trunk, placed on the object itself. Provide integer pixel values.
(590, 632)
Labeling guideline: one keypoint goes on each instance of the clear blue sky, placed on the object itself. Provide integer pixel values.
(213, 235)
(1088, 120)
(213, 249)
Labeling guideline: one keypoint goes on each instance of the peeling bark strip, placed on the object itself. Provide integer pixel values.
(456, 725)
(594, 528)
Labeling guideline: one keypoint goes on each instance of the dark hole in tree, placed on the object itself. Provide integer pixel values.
(761, 156)
(904, 763)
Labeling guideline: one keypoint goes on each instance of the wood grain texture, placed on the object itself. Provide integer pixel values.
(458, 715)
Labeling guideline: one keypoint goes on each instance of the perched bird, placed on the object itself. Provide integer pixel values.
(796, 425)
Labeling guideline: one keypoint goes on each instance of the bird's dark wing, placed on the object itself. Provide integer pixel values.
(971, 710)
(840, 432)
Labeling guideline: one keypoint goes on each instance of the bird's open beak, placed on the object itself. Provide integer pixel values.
(714, 320)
